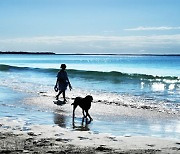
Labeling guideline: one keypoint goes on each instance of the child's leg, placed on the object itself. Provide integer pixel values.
(57, 96)
(64, 96)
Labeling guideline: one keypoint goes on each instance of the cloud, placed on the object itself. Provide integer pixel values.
(141, 28)
(90, 38)
(94, 43)
(153, 39)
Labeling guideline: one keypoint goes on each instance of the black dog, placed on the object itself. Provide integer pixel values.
(85, 104)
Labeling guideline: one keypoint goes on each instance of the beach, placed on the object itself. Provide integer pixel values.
(19, 136)
(132, 113)
(37, 141)
(89, 77)
(16, 136)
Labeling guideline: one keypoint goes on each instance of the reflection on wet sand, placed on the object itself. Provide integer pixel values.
(82, 127)
(60, 119)
(65, 121)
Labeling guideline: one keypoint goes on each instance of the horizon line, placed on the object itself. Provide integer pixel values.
(53, 53)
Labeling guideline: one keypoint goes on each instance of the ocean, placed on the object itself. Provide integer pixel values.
(148, 82)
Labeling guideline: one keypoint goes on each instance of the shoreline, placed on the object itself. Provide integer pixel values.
(19, 136)
(116, 116)
(53, 139)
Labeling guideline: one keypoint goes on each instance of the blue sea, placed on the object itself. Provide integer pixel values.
(152, 81)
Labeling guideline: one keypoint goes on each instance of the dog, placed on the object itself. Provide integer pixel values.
(85, 104)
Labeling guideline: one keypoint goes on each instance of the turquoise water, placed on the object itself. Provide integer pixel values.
(153, 81)
(150, 77)
(149, 65)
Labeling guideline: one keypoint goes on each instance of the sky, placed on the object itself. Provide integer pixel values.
(91, 26)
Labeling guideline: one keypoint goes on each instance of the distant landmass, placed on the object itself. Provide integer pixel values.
(96, 54)
(24, 52)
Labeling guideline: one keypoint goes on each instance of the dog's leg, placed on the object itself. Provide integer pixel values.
(87, 114)
(83, 116)
(74, 107)
(83, 113)
(86, 117)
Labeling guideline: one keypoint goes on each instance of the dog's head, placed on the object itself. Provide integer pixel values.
(89, 98)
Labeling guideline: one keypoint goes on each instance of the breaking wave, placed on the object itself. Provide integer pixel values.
(96, 75)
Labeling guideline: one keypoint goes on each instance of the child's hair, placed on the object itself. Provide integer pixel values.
(63, 65)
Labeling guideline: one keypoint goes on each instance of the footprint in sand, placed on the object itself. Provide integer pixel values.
(150, 145)
(63, 140)
(83, 138)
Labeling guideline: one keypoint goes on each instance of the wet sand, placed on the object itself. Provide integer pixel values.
(19, 137)
(110, 116)
(54, 139)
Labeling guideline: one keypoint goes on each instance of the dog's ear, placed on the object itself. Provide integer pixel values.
(89, 98)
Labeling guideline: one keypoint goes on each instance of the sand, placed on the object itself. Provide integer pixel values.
(18, 137)
(54, 139)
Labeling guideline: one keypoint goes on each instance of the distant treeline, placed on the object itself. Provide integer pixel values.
(23, 52)
(96, 54)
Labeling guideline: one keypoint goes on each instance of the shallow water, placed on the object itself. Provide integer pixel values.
(152, 77)
(23, 76)
(12, 106)
(120, 125)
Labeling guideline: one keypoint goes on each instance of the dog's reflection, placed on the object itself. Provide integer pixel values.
(60, 120)
(83, 127)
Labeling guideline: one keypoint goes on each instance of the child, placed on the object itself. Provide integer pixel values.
(62, 82)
